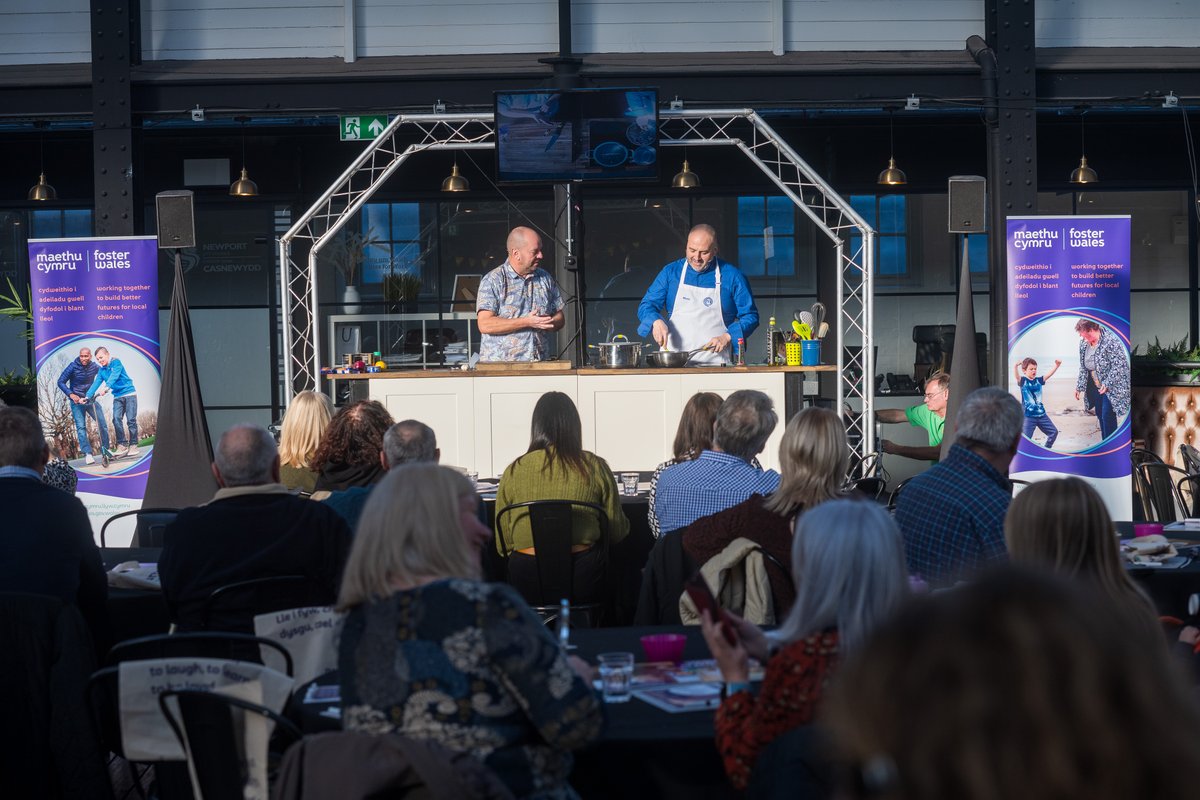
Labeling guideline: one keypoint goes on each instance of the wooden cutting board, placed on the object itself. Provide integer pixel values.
(523, 365)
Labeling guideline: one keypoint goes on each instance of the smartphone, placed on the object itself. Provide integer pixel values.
(702, 596)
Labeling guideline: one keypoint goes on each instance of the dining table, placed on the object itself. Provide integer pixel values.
(133, 613)
(644, 752)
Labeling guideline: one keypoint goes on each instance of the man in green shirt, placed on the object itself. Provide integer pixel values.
(931, 416)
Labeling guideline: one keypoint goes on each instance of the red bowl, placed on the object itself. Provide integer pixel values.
(664, 647)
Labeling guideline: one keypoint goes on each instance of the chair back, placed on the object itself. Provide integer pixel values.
(552, 524)
(894, 495)
(1187, 489)
(203, 644)
(210, 727)
(1156, 487)
(309, 635)
(1191, 458)
(235, 605)
(151, 523)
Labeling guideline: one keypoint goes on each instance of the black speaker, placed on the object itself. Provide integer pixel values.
(176, 225)
(968, 204)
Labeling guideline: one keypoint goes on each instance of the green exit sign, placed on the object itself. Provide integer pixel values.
(362, 128)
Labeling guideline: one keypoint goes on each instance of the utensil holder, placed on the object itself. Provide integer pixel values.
(792, 350)
(810, 353)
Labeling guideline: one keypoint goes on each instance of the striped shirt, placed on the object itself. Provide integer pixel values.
(710, 483)
(952, 518)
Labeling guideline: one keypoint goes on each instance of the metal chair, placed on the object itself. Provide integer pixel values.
(204, 644)
(151, 523)
(1191, 458)
(1156, 488)
(552, 523)
(210, 735)
(1187, 490)
(243, 600)
(895, 495)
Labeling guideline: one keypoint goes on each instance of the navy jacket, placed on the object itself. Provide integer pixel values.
(76, 378)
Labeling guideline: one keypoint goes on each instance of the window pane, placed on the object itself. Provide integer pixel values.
(46, 225)
(406, 221)
(750, 254)
(892, 210)
(375, 220)
(750, 215)
(781, 214)
(892, 255)
(784, 260)
(977, 252)
(864, 204)
(77, 222)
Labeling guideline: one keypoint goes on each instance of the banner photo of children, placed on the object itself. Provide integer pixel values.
(96, 350)
(1068, 350)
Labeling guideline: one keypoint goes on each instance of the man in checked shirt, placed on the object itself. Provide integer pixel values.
(519, 304)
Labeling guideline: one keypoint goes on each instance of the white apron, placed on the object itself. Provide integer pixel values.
(696, 318)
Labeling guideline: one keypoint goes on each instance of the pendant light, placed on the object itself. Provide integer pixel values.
(1083, 173)
(455, 182)
(42, 191)
(685, 178)
(243, 186)
(893, 175)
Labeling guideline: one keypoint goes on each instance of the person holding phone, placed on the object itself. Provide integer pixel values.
(848, 561)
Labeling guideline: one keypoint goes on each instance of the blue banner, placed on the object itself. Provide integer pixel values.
(1068, 350)
(95, 331)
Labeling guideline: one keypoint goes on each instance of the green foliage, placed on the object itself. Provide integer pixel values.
(22, 377)
(17, 308)
(1168, 359)
(401, 286)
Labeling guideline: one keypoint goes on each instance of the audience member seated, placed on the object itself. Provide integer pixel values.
(556, 467)
(1016, 686)
(254, 527)
(952, 515)
(406, 442)
(349, 452)
(723, 476)
(849, 564)
(304, 424)
(47, 546)
(692, 437)
(58, 472)
(431, 652)
(1063, 525)
(813, 458)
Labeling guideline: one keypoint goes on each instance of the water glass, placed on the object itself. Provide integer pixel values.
(629, 483)
(616, 676)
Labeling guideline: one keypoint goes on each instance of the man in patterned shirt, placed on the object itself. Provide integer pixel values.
(519, 304)
(952, 515)
(721, 477)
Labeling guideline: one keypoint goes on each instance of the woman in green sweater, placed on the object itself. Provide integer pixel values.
(556, 467)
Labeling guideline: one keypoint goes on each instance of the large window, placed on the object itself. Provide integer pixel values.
(393, 238)
(888, 215)
(766, 244)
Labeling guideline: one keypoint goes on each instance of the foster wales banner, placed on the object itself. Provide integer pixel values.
(95, 333)
(1068, 351)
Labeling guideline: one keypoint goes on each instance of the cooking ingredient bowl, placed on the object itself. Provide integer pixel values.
(664, 647)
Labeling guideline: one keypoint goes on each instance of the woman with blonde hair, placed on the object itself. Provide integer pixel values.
(430, 652)
(304, 424)
(1063, 525)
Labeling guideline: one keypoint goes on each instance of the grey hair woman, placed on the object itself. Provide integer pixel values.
(431, 652)
(848, 559)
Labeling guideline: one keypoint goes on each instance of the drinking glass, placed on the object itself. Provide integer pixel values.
(616, 676)
(629, 482)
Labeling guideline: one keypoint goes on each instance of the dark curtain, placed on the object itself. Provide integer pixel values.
(180, 472)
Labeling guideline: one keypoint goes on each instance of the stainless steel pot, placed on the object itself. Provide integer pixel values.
(620, 353)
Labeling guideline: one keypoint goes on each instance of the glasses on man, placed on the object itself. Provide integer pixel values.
(934, 393)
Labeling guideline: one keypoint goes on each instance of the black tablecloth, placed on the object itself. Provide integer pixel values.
(644, 751)
(134, 612)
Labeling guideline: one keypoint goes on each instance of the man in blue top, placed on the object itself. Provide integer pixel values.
(116, 380)
(721, 477)
(74, 382)
(699, 301)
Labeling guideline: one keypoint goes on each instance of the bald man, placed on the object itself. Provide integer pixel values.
(699, 301)
(519, 304)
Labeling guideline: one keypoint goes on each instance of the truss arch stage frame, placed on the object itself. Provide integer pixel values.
(410, 134)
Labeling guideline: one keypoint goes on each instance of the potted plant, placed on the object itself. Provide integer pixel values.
(348, 252)
(19, 388)
(400, 290)
(1166, 365)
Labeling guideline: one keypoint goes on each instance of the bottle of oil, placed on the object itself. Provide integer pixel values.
(771, 358)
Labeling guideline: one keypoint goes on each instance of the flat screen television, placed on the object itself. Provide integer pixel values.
(557, 136)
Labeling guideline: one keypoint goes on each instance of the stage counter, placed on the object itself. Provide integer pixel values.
(629, 416)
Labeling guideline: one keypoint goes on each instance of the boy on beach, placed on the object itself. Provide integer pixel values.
(1031, 398)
